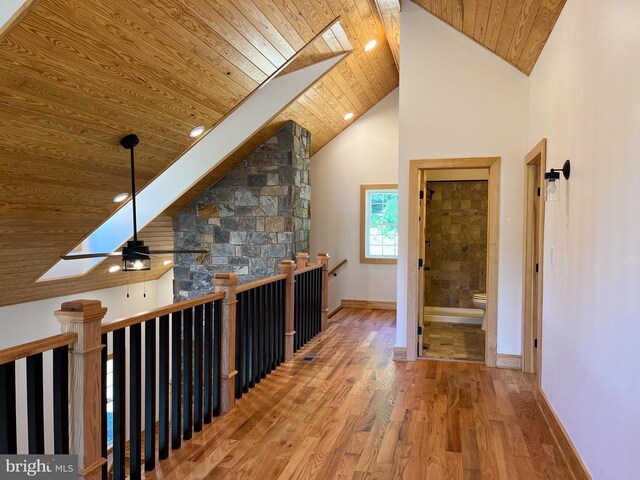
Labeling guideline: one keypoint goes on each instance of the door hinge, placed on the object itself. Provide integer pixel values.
(538, 191)
(419, 330)
(421, 194)
(537, 267)
(419, 263)
(535, 343)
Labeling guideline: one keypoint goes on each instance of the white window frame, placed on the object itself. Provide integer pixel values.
(365, 216)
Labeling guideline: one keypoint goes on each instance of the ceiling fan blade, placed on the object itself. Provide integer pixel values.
(83, 256)
(164, 252)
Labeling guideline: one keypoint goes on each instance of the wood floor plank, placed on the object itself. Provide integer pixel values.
(353, 413)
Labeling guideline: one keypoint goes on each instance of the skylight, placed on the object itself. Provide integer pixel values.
(244, 121)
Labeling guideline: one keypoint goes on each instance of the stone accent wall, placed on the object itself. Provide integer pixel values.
(251, 219)
(457, 216)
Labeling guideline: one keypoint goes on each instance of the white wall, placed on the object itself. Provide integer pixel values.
(585, 98)
(26, 322)
(457, 99)
(366, 152)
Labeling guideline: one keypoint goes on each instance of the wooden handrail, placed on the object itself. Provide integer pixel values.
(32, 348)
(337, 267)
(308, 268)
(113, 325)
(260, 283)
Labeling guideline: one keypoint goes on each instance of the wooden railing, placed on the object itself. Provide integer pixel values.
(334, 270)
(33, 353)
(187, 357)
(199, 356)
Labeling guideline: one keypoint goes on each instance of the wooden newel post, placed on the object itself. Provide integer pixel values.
(288, 267)
(84, 317)
(227, 283)
(302, 260)
(323, 259)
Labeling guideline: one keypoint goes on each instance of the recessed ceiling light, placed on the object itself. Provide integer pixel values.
(371, 44)
(114, 268)
(167, 262)
(121, 197)
(348, 116)
(197, 131)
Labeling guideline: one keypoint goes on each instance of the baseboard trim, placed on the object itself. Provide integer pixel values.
(454, 312)
(513, 362)
(400, 354)
(567, 448)
(334, 312)
(368, 304)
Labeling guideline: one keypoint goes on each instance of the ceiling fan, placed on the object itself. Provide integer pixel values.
(136, 256)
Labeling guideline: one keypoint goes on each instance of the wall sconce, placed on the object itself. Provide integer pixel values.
(551, 189)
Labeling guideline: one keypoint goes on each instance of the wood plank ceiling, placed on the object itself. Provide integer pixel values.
(515, 30)
(76, 75)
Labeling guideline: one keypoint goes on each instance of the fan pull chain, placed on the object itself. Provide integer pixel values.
(144, 284)
(127, 284)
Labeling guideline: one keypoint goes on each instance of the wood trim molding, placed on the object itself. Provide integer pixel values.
(363, 220)
(513, 362)
(400, 354)
(259, 283)
(39, 346)
(117, 324)
(532, 357)
(368, 304)
(493, 234)
(334, 312)
(567, 449)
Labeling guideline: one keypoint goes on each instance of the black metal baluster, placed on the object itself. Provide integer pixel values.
(263, 332)
(119, 398)
(104, 447)
(8, 435)
(217, 356)
(272, 327)
(255, 333)
(149, 395)
(176, 379)
(135, 401)
(198, 326)
(319, 298)
(296, 312)
(249, 342)
(61, 401)
(208, 361)
(163, 388)
(279, 322)
(239, 314)
(35, 404)
(267, 330)
(187, 385)
(246, 343)
(308, 303)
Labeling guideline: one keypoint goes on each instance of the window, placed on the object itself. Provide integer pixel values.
(110, 402)
(378, 223)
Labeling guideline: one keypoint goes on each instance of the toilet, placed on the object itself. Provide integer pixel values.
(479, 300)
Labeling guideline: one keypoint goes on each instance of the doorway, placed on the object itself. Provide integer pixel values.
(535, 167)
(454, 255)
(418, 173)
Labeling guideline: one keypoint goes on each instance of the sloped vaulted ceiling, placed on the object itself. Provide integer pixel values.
(75, 75)
(515, 30)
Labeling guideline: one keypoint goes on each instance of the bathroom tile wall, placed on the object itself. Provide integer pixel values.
(456, 225)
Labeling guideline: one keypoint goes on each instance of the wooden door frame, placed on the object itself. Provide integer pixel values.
(535, 163)
(492, 164)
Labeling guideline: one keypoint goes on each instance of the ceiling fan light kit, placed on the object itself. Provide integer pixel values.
(136, 256)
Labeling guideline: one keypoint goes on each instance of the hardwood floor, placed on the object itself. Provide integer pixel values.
(454, 341)
(353, 413)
